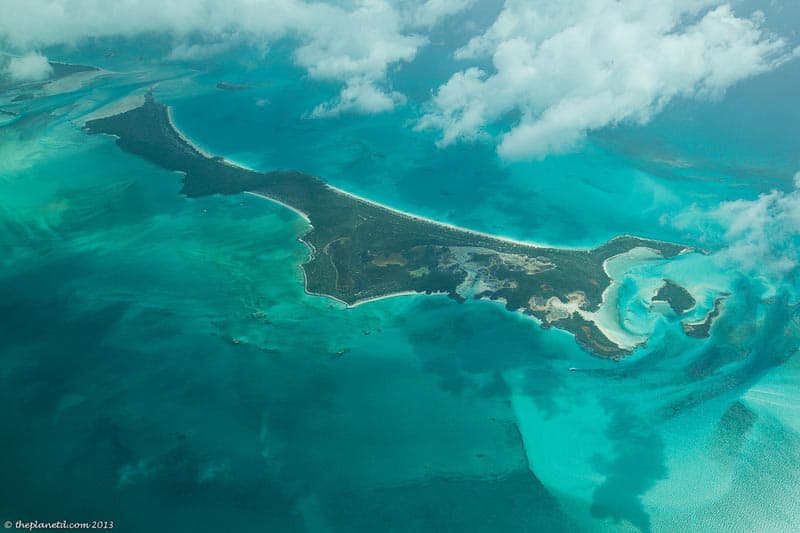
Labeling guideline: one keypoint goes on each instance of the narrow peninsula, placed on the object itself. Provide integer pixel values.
(360, 250)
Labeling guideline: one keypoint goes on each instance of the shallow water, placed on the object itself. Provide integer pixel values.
(163, 368)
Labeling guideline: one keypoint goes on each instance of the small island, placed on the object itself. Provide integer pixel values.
(676, 296)
(702, 329)
(228, 86)
(361, 250)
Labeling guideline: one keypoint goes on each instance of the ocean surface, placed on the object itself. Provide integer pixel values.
(163, 368)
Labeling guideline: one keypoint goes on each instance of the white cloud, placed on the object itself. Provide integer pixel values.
(198, 51)
(357, 47)
(353, 42)
(761, 236)
(363, 97)
(432, 11)
(29, 67)
(567, 67)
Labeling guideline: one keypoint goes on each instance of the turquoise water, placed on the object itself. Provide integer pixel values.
(163, 368)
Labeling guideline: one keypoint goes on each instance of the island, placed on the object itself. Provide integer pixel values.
(676, 296)
(228, 86)
(702, 328)
(360, 250)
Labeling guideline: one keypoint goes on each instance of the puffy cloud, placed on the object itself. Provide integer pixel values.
(29, 67)
(353, 42)
(567, 67)
(357, 47)
(760, 237)
(364, 97)
(432, 11)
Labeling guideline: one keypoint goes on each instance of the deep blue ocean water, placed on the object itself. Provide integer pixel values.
(162, 366)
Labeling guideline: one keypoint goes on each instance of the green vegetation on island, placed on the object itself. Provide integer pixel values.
(228, 86)
(676, 296)
(361, 250)
(702, 329)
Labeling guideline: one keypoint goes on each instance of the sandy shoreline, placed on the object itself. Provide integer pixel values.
(606, 318)
(312, 250)
(400, 212)
(127, 103)
(303, 215)
(385, 297)
(189, 141)
(412, 216)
